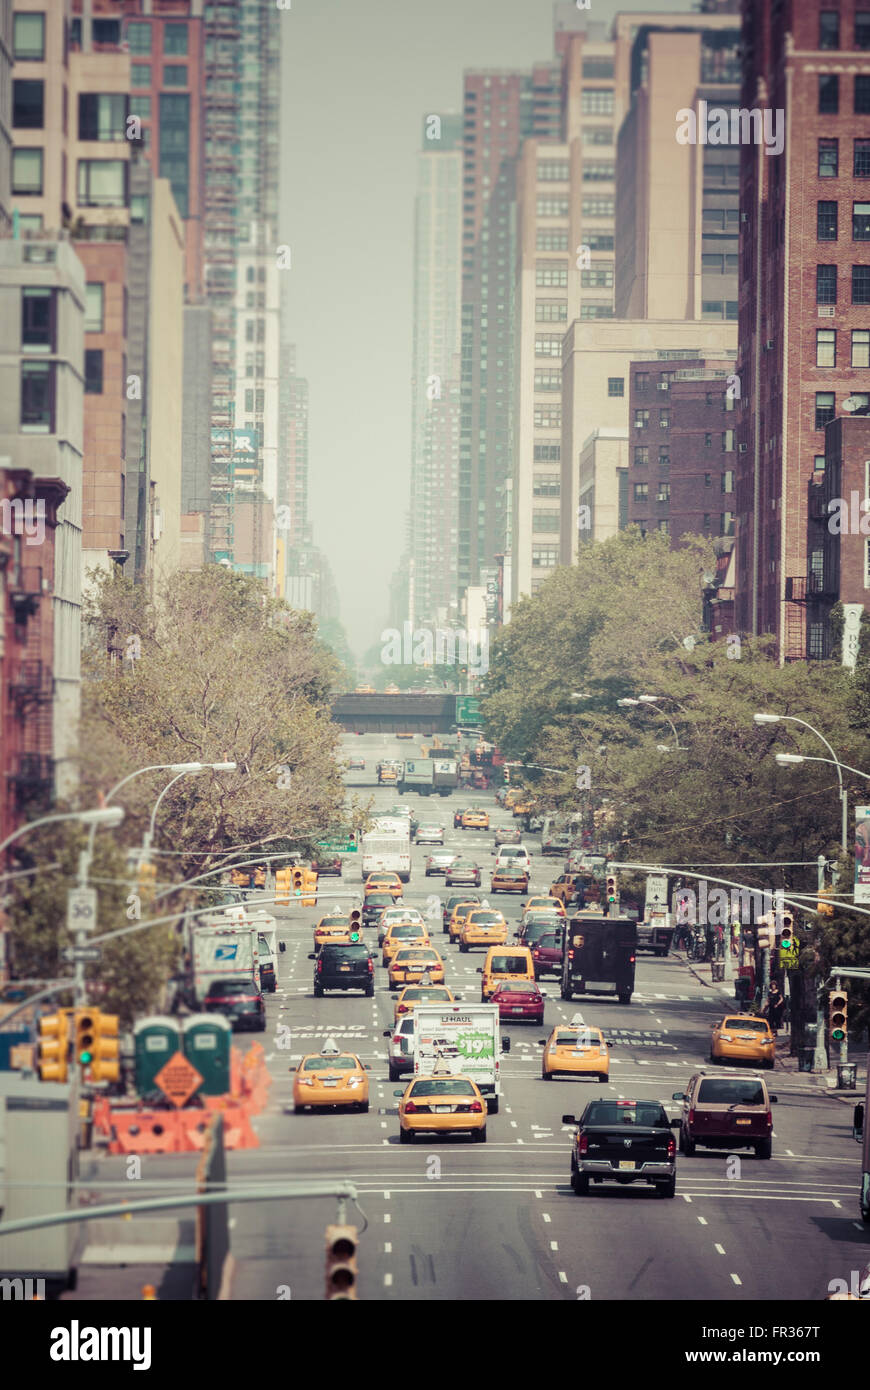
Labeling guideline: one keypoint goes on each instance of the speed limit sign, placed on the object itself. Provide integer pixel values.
(81, 909)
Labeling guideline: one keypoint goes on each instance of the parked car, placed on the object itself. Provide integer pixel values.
(239, 1000)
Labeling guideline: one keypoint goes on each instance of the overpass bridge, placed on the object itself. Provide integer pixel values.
(398, 714)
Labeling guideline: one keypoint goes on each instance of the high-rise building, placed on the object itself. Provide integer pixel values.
(804, 289)
(435, 403)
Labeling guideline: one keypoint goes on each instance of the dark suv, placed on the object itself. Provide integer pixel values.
(239, 1000)
(346, 966)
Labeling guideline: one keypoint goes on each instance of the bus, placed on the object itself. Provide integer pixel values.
(387, 849)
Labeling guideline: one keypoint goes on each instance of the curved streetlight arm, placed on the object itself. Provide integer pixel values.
(832, 762)
(844, 799)
(177, 778)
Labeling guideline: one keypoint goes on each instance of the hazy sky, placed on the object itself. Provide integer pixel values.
(358, 76)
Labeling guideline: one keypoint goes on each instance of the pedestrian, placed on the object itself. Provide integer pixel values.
(775, 1007)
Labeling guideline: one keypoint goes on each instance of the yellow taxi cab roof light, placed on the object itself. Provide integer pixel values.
(330, 1048)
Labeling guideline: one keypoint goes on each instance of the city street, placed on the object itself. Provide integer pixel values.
(448, 1220)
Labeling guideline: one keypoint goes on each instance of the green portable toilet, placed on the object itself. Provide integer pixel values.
(206, 1045)
(156, 1039)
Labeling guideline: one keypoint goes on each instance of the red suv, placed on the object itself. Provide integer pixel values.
(725, 1112)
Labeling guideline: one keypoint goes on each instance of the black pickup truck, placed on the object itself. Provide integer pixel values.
(624, 1141)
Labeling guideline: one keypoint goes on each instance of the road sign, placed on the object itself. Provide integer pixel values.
(467, 709)
(178, 1079)
(73, 953)
(81, 909)
(335, 846)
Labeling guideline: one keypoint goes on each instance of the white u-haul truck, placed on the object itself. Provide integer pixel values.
(467, 1039)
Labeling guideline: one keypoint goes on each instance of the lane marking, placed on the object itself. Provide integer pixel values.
(720, 1249)
(563, 1278)
(388, 1247)
(736, 1279)
(387, 1218)
(388, 1279)
(545, 1216)
(554, 1245)
(702, 1220)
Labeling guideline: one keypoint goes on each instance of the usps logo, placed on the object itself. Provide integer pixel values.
(226, 952)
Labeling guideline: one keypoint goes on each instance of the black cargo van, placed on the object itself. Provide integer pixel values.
(598, 956)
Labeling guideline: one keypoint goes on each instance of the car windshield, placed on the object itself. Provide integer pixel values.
(478, 917)
(517, 987)
(405, 932)
(416, 955)
(333, 922)
(328, 1063)
(425, 994)
(379, 899)
(617, 1112)
(746, 1025)
(582, 1037)
(450, 1086)
(509, 965)
(509, 853)
(222, 987)
(345, 955)
(403, 914)
(730, 1091)
(461, 902)
(464, 864)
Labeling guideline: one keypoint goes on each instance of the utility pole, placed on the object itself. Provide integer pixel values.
(820, 1056)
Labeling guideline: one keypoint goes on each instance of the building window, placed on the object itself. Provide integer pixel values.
(641, 492)
(708, 441)
(28, 37)
(598, 68)
(726, 524)
(551, 311)
(616, 386)
(28, 104)
(664, 459)
(728, 480)
(597, 207)
(826, 284)
(553, 274)
(94, 299)
(545, 556)
(597, 135)
(106, 31)
(641, 381)
(708, 521)
(139, 208)
(549, 205)
(141, 106)
(824, 408)
(599, 173)
(27, 171)
(543, 521)
(597, 101)
(30, 222)
(862, 95)
(708, 479)
(548, 345)
(663, 492)
(102, 116)
(861, 284)
(829, 94)
(548, 380)
(93, 371)
(175, 74)
(860, 347)
(861, 221)
(727, 441)
(862, 29)
(140, 74)
(551, 239)
(818, 463)
(138, 37)
(102, 183)
(599, 241)
(829, 29)
(598, 278)
(175, 40)
(553, 171)
(829, 159)
(826, 347)
(664, 419)
(547, 453)
(174, 155)
(861, 159)
(641, 455)
(546, 485)
(548, 417)
(641, 418)
(826, 221)
(37, 397)
(596, 311)
(37, 320)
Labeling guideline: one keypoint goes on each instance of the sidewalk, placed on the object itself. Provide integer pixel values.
(786, 1065)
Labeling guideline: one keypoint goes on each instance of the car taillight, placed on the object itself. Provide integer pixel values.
(768, 1121)
(371, 966)
(672, 1147)
(631, 960)
(582, 1143)
(397, 1037)
(692, 1116)
(319, 966)
(475, 1107)
(402, 1009)
(410, 1108)
(571, 954)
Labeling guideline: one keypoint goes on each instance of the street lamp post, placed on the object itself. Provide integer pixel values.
(627, 702)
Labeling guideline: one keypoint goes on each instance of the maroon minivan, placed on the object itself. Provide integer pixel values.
(725, 1112)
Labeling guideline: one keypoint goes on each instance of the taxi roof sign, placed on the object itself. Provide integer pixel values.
(330, 1048)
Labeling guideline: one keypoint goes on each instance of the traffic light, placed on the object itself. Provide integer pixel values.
(309, 885)
(85, 1035)
(341, 1269)
(298, 882)
(283, 883)
(105, 1064)
(838, 1014)
(787, 938)
(611, 888)
(824, 907)
(53, 1045)
(146, 875)
(764, 935)
(356, 925)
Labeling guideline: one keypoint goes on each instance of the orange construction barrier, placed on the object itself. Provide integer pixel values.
(176, 1131)
(145, 1132)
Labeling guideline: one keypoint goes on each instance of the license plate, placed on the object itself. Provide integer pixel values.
(605, 986)
(579, 1051)
(344, 967)
(626, 1163)
(517, 1011)
(442, 1109)
(330, 1083)
(744, 1122)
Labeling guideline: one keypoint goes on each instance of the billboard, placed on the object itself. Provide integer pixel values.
(862, 854)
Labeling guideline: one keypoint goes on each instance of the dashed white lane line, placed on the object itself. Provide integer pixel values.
(388, 1247)
(387, 1218)
(383, 1124)
(685, 1196)
(720, 1249)
(563, 1278)
(539, 1193)
(735, 1278)
(513, 1124)
(859, 1226)
(545, 1216)
(702, 1220)
(554, 1245)
(386, 1196)
(388, 1279)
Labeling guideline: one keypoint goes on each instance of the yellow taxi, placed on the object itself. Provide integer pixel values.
(332, 929)
(483, 926)
(475, 820)
(412, 962)
(457, 917)
(387, 774)
(521, 807)
(400, 935)
(441, 1104)
(329, 1078)
(512, 797)
(365, 690)
(509, 878)
(412, 995)
(743, 1039)
(504, 963)
(542, 904)
(575, 1050)
(383, 883)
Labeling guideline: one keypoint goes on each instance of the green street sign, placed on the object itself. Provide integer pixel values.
(336, 846)
(467, 709)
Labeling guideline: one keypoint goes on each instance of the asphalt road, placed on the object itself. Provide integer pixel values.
(448, 1220)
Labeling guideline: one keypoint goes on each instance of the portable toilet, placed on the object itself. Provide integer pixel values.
(206, 1045)
(155, 1039)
